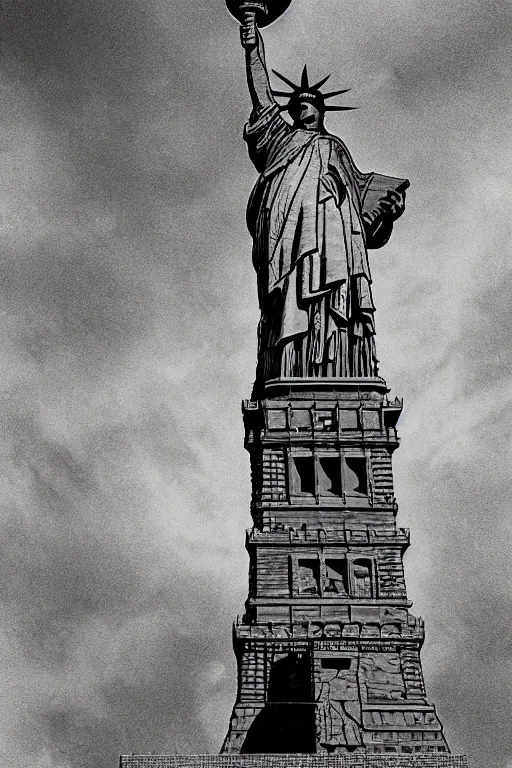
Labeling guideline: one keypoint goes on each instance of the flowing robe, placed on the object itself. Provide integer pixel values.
(309, 252)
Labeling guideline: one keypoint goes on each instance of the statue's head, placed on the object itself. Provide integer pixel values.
(307, 111)
(306, 103)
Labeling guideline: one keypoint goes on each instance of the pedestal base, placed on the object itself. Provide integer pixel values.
(358, 760)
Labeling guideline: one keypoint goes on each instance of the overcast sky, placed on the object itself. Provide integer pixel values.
(128, 315)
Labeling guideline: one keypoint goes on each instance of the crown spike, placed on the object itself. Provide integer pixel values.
(285, 80)
(304, 83)
(335, 93)
(328, 108)
(317, 86)
(284, 94)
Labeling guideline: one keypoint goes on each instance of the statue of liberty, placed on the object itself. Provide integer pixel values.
(312, 215)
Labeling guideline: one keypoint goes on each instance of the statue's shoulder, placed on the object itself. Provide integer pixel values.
(337, 144)
(264, 119)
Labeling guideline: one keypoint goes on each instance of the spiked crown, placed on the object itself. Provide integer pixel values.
(307, 92)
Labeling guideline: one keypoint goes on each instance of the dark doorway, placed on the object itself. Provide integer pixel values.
(290, 679)
(287, 723)
(282, 728)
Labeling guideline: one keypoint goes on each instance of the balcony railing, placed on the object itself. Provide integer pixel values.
(340, 535)
(332, 630)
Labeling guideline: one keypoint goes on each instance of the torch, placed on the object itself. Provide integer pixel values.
(265, 12)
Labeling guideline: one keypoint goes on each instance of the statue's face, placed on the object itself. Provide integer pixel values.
(307, 116)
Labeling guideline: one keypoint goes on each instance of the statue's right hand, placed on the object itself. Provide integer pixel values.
(249, 31)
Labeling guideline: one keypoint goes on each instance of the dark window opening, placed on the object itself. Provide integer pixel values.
(338, 664)
(329, 475)
(355, 475)
(305, 474)
(336, 577)
(290, 576)
(308, 576)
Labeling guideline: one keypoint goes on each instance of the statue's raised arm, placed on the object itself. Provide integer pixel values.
(257, 74)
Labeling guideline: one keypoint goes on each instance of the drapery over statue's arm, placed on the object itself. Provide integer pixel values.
(257, 75)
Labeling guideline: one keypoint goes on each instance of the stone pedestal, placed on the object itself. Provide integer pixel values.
(328, 652)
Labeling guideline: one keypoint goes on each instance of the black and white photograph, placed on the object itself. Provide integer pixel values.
(255, 384)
